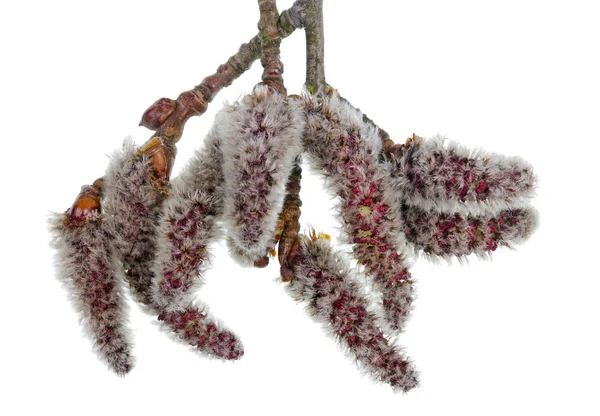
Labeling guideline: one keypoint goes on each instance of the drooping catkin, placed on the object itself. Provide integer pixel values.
(185, 229)
(133, 203)
(262, 136)
(447, 235)
(195, 327)
(86, 267)
(436, 174)
(322, 279)
(346, 149)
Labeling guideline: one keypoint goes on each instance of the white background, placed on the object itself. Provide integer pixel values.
(517, 335)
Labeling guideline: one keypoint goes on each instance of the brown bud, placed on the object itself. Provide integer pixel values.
(287, 266)
(393, 150)
(413, 140)
(99, 184)
(86, 204)
(262, 262)
(292, 258)
(155, 116)
(287, 274)
(162, 156)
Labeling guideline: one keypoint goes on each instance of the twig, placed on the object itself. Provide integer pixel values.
(270, 41)
(309, 15)
(168, 117)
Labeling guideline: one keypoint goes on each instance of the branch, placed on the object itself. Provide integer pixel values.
(168, 117)
(270, 41)
(309, 15)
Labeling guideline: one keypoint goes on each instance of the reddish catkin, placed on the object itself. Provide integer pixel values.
(186, 228)
(322, 279)
(133, 204)
(262, 136)
(86, 268)
(459, 235)
(441, 175)
(346, 148)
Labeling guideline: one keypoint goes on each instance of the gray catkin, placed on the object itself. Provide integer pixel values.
(323, 281)
(459, 235)
(262, 136)
(133, 205)
(135, 210)
(186, 227)
(340, 144)
(86, 267)
(440, 175)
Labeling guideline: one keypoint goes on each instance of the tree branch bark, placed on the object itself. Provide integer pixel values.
(309, 15)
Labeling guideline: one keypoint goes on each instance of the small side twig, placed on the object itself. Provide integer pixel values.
(270, 41)
(309, 15)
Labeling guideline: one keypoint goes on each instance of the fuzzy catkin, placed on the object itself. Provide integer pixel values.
(186, 227)
(87, 269)
(133, 205)
(262, 135)
(459, 235)
(194, 326)
(346, 148)
(438, 175)
(323, 280)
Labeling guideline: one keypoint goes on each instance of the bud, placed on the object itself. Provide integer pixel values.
(86, 206)
(155, 116)
(160, 154)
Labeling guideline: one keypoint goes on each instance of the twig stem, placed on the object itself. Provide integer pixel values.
(309, 15)
(270, 41)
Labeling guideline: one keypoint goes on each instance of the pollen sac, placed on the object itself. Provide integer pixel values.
(262, 136)
(160, 155)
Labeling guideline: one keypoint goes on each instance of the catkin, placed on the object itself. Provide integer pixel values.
(322, 279)
(340, 144)
(86, 267)
(262, 136)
